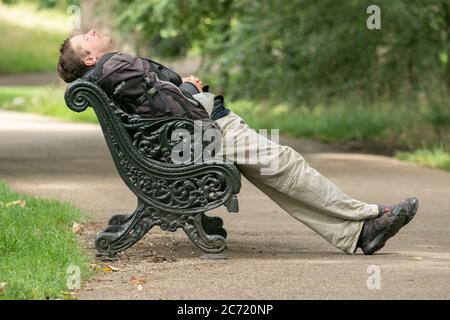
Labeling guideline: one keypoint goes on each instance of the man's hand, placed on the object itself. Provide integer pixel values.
(195, 81)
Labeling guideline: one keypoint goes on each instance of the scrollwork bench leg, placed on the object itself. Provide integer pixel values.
(124, 231)
(213, 225)
(210, 243)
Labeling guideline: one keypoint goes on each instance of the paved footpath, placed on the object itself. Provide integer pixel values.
(270, 255)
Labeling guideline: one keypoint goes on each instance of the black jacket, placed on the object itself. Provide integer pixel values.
(121, 76)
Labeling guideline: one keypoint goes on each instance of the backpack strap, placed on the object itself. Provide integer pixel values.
(163, 72)
(154, 84)
(95, 73)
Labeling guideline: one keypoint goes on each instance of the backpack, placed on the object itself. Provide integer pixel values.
(145, 87)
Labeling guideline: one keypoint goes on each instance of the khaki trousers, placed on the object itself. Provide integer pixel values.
(293, 184)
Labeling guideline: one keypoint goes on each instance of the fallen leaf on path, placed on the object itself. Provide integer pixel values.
(109, 269)
(95, 266)
(103, 268)
(135, 280)
(114, 269)
(106, 269)
(77, 228)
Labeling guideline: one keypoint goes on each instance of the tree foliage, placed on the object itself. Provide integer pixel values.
(304, 50)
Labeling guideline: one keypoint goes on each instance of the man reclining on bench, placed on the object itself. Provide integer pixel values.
(346, 223)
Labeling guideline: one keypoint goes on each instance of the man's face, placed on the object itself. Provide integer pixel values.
(91, 46)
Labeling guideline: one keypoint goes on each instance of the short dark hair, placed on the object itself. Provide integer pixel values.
(70, 65)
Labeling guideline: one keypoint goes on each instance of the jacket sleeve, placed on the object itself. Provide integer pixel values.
(189, 88)
(166, 74)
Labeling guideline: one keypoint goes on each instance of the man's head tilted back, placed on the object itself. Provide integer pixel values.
(80, 52)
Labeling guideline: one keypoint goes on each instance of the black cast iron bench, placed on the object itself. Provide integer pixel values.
(169, 195)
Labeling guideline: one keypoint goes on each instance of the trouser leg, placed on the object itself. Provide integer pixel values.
(294, 185)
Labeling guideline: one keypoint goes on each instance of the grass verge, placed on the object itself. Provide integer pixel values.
(46, 100)
(433, 158)
(30, 38)
(389, 126)
(36, 247)
(398, 125)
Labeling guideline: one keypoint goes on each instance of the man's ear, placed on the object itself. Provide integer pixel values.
(89, 61)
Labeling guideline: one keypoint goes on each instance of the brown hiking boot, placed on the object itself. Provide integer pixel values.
(377, 231)
(411, 204)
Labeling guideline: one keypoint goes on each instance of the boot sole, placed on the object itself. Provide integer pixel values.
(380, 240)
(413, 212)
